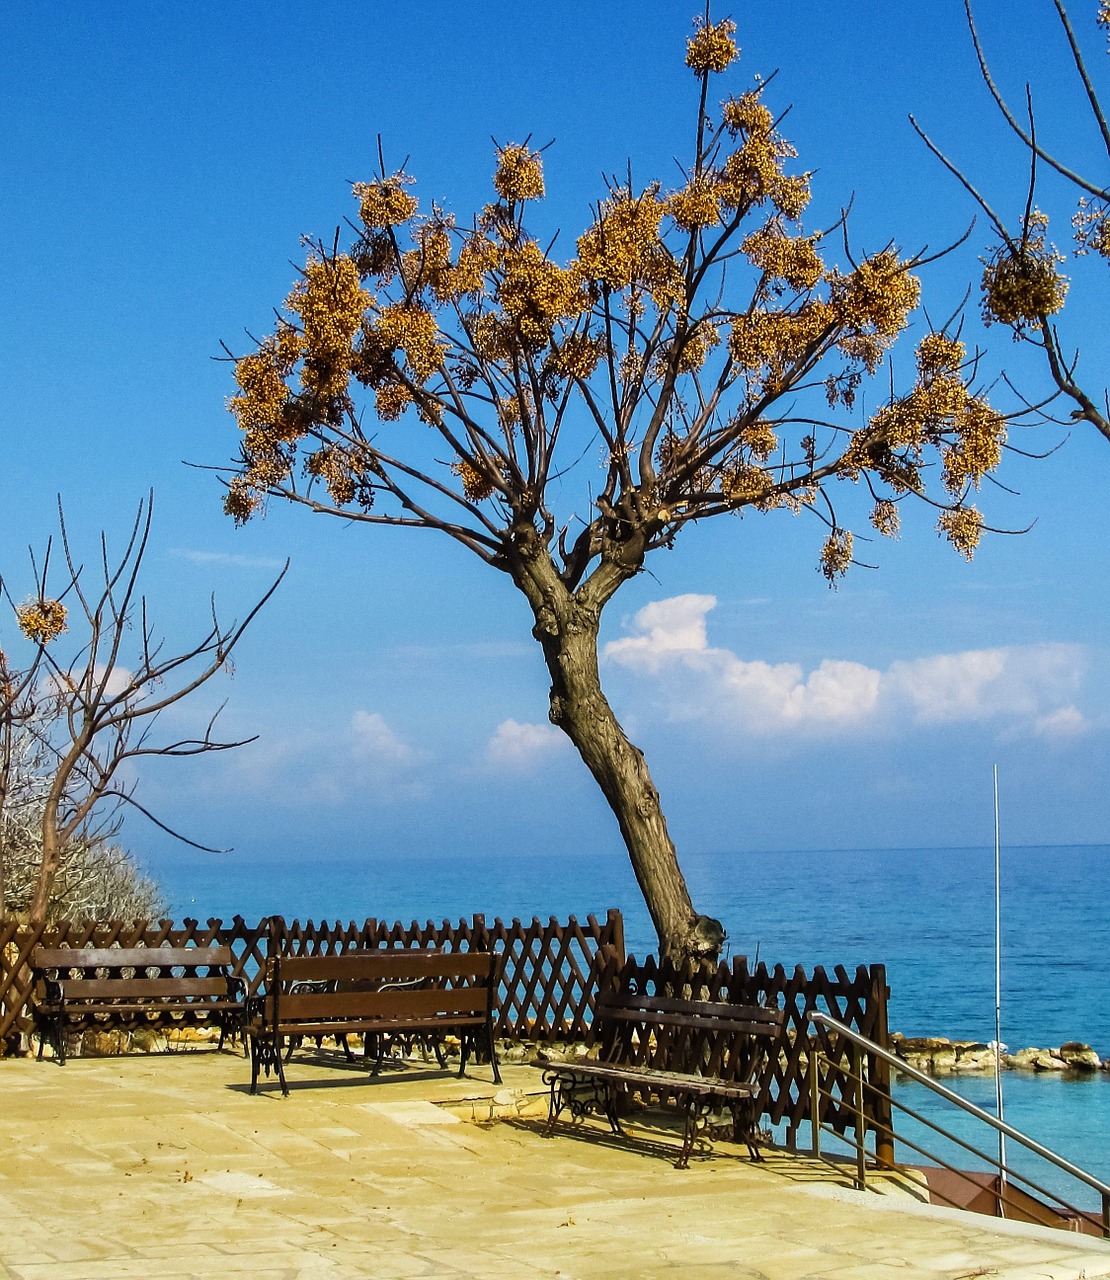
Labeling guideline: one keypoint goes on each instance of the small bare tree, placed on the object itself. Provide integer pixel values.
(1022, 284)
(97, 703)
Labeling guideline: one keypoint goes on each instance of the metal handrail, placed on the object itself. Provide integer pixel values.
(1000, 1126)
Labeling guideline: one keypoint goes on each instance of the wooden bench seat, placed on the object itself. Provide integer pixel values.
(384, 994)
(99, 988)
(708, 1056)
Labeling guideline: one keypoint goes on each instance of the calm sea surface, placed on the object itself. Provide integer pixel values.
(927, 914)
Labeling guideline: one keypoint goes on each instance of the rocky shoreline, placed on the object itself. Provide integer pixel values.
(939, 1056)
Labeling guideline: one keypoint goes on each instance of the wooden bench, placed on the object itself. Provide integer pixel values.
(708, 1056)
(87, 988)
(383, 994)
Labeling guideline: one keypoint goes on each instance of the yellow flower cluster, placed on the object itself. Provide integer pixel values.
(697, 205)
(576, 357)
(41, 620)
(938, 354)
(1092, 229)
(391, 400)
(836, 554)
(476, 486)
(264, 392)
(711, 48)
(774, 341)
(492, 337)
(963, 527)
(333, 467)
(981, 433)
(782, 257)
(623, 249)
(760, 439)
(745, 483)
(241, 500)
(885, 518)
(536, 294)
(330, 302)
(1021, 282)
(385, 204)
(872, 305)
(519, 174)
(692, 354)
(411, 328)
(429, 263)
(747, 114)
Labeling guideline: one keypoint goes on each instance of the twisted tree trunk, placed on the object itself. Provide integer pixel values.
(567, 626)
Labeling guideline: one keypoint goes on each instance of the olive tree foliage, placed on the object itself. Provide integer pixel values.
(468, 378)
(1023, 286)
(81, 709)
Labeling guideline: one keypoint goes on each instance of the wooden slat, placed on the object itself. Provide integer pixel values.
(130, 957)
(86, 989)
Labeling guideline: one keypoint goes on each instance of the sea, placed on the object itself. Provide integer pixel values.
(928, 915)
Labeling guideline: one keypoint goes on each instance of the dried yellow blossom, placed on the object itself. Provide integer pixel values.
(391, 401)
(783, 257)
(750, 173)
(877, 297)
(536, 294)
(1021, 282)
(747, 114)
(478, 256)
(331, 302)
(775, 341)
(241, 501)
(697, 205)
(41, 620)
(885, 518)
(333, 467)
(576, 357)
(963, 527)
(476, 485)
(789, 195)
(745, 483)
(623, 248)
(492, 338)
(429, 264)
(519, 174)
(938, 354)
(263, 388)
(981, 433)
(836, 555)
(385, 204)
(712, 47)
(1092, 229)
(411, 328)
(696, 345)
(760, 439)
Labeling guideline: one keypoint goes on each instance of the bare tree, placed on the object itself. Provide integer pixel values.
(1022, 284)
(106, 693)
(697, 343)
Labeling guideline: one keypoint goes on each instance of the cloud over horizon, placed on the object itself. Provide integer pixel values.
(1031, 686)
(524, 746)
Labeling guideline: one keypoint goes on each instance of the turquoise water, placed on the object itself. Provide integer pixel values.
(927, 914)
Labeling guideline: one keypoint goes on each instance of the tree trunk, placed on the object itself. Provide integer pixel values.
(567, 628)
(51, 857)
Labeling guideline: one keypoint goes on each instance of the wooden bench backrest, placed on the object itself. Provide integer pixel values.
(382, 984)
(64, 959)
(702, 1037)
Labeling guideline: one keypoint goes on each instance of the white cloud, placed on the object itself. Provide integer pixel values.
(1034, 685)
(523, 746)
(374, 740)
(234, 559)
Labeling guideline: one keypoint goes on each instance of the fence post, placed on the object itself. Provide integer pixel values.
(878, 1073)
(814, 1099)
(616, 929)
(861, 1119)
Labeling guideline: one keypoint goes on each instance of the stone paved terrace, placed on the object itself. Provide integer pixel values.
(164, 1166)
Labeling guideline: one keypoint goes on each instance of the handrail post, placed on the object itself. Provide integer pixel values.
(1106, 1214)
(861, 1121)
(879, 1073)
(814, 1100)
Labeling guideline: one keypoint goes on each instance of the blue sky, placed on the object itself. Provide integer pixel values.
(159, 166)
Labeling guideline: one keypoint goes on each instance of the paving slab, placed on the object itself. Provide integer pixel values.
(165, 1166)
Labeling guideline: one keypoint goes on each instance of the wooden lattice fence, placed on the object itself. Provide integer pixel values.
(859, 1001)
(546, 993)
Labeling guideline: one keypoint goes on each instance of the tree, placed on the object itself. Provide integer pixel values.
(88, 711)
(697, 339)
(1022, 285)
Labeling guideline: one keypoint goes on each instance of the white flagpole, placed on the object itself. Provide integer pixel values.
(998, 999)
